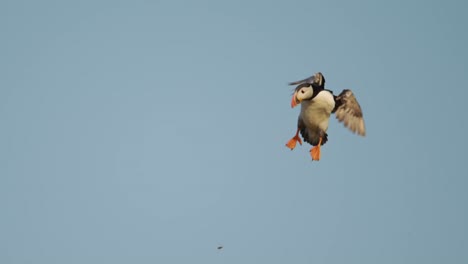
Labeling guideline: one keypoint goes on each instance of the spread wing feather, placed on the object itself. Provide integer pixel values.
(318, 80)
(348, 111)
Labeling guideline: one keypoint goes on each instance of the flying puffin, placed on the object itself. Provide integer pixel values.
(317, 104)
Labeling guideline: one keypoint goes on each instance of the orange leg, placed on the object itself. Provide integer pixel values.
(292, 142)
(315, 151)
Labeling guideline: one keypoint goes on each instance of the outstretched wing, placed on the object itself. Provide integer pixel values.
(317, 80)
(348, 111)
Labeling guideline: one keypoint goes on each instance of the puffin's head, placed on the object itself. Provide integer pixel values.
(302, 92)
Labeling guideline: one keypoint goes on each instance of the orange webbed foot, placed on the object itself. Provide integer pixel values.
(293, 141)
(315, 151)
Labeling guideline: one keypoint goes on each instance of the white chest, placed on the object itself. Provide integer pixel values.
(316, 112)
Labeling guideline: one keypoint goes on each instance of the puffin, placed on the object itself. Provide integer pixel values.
(317, 105)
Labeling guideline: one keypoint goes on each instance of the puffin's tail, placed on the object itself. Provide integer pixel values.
(313, 138)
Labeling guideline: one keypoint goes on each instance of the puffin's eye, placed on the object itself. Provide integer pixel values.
(302, 91)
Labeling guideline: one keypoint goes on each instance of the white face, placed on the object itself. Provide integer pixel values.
(304, 93)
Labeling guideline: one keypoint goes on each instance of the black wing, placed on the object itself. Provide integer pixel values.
(317, 80)
(348, 111)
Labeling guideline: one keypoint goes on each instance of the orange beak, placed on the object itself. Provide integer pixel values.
(294, 101)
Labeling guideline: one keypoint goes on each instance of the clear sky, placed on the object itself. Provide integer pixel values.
(154, 131)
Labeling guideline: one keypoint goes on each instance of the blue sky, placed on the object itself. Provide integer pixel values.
(154, 131)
